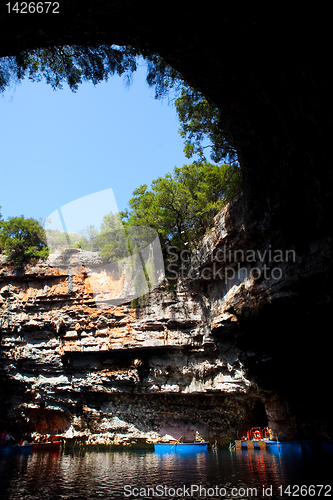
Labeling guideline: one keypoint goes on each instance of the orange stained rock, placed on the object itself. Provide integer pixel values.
(104, 286)
(71, 346)
(87, 287)
(119, 332)
(59, 288)
(79, 276)
(29, 293)
(60, 350)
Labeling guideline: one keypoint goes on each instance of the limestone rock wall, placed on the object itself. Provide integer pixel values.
(207, 358)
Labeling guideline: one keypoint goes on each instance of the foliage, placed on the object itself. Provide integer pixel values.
(76, 64)
(89, 234)
(161, 75)
(181, 205)
(62, 239)
(112, 239)
(22, 239)
(200, 120)
(70, 64)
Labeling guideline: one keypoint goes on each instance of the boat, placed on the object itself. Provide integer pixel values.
(179, 447)
(257, 438)
(46, 446)
(254, 438)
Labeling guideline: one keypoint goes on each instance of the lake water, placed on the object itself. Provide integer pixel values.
(286, 472)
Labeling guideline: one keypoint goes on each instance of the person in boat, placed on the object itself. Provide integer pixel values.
(256, 434)
(267, 433)
(198, 438)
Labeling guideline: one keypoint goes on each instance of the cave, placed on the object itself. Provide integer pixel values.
(269, 75)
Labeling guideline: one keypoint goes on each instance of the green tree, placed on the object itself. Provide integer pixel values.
(77, 64)
(61, 239)
(68, 64)
(89, 233)
(112, 239)
(200, 123)
(181, 205)
(22, 239)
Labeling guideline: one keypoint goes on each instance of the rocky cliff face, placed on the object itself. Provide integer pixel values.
(269, 77)
(207, 358)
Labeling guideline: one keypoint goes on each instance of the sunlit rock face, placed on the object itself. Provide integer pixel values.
(213, 357)
(118, 375)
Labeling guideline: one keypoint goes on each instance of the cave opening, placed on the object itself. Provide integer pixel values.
(278, 109)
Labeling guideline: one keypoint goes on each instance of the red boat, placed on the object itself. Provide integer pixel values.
(47, 446)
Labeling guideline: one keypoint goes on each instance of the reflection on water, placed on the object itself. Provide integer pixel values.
(129, 474)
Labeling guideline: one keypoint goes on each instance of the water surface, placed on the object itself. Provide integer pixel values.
(275, 473)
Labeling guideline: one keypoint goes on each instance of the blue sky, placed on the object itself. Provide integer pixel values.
(58, 146)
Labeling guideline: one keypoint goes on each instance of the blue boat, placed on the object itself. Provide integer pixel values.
(194, 447)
